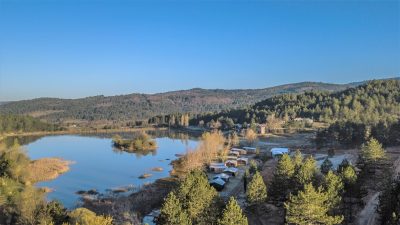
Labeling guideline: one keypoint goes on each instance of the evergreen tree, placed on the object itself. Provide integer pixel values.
(372, 151)
(232, 214)
(171, 212)
(306, 172)
(196, 195)
(333, 187)
(297, 159)
(283, 177)
(326, 166)
(256, 190)
(309, 207)
(348, 175)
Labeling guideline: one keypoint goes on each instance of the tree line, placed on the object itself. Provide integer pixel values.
(18, 123)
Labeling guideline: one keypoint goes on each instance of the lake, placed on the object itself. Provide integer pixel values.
(97, 165)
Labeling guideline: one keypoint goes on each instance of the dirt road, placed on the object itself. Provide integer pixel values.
(368, 215)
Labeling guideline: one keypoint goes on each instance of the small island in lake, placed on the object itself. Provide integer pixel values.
(142, 142)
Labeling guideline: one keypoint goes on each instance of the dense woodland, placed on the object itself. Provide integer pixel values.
(353, 114)
(135, 107)
(19, 123)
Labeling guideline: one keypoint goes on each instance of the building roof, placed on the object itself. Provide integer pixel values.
(218, 181)
(279, 151)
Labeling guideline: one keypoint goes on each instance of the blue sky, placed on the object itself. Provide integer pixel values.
(73, 49)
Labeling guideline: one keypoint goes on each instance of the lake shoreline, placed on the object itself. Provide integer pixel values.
(97, 131)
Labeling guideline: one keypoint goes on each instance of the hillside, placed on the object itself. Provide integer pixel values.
(143, 106)
(353, 114)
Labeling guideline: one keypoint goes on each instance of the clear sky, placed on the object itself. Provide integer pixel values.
(73, 49)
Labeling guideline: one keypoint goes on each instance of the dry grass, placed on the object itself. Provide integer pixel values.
(47, 169)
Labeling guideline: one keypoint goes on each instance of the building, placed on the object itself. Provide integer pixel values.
(261, 129)
(278, 152)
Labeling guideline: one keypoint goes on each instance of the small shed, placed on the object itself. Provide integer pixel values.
(234, 153)
(243, 161)
(217, 167)
(250, 149)
(218, 184)
(232, 171)
(231, 157)
(225, 177)
(231, 163)
(241, 151)
(275, 152)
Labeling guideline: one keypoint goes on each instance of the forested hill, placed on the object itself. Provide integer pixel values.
(143, 106)
(353, 114)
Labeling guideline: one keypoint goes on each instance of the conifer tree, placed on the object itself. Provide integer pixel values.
(283, 177)
(232, 214)
(309, 207)
(171, 212)
(326, 166)
(372, 151)
(256, 190)
(348, 175)
(306, 172)
(195, 194)
(333, 187)
(297, 159)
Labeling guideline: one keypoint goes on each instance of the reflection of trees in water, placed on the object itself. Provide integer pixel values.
(22, 140)
(138, 153)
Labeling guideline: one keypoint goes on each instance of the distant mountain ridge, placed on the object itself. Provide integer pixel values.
(142, 106)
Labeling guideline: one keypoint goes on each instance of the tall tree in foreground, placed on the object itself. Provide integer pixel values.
(256, 190)
(197, 196)
(309, 207)
(283, 177)
(172, 213)
(233, 214)
(333, 187)
(306, 172)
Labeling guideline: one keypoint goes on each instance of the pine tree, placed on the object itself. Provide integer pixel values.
(306, 172)
(283, 177)
(348, 175)
(333, 187)
(256, 190)
(232, 214)
(372, 151)
(309, 207)
(326, 166)
(171, 212)
(297, 159)
(195, 194)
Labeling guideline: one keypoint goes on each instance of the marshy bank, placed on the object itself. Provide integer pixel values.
(100, 166)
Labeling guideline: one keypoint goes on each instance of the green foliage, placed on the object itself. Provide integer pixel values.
(309, 207)
(17, 123)
(141, 142)
(348, 175)
(306, 172)
(196, 196)
(256, 190)
(142, 106)
(253, 167)
(326, 166)
(297, 159)
(333, 187)
(83, 216)
(172, 213)
(372, 151)
(283, 177)
(232, 214)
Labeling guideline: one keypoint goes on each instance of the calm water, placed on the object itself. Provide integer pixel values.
(98, 166)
